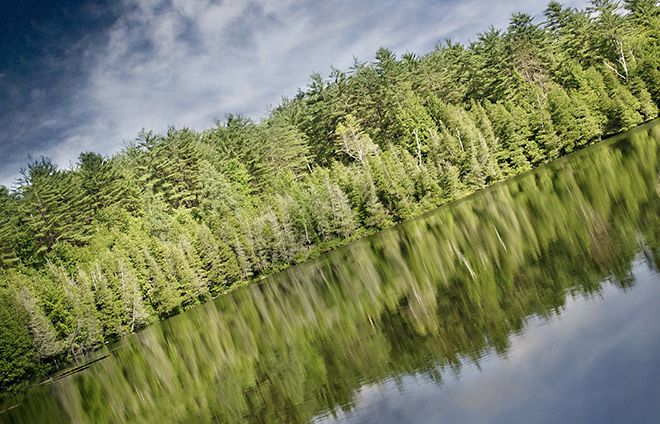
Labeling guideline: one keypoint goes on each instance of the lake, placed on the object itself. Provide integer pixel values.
(537, 300)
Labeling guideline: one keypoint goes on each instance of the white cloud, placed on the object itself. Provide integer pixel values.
(188, 62)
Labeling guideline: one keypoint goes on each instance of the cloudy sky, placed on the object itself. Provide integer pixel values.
(85, 75)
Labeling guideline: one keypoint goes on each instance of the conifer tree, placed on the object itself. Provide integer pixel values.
(10, 232)
(43, 335)
(353, 142)
(572, 119)
(18, 359)
(100, 182)
(53, 206)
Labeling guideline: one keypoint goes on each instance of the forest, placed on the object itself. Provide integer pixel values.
(416, 299)
(96, 252)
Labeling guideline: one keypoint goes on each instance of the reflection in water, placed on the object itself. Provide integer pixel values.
(594, 363)
(479, 310)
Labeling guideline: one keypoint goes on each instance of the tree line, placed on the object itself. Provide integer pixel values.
(90, 254)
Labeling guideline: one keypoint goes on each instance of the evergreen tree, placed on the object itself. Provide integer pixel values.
(101, 184)
(43, 335)
(54, 212)
(575, 124)
(18, 359)
(10, 232)
(353, 142)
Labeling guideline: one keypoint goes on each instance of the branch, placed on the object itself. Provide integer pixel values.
(614, 70)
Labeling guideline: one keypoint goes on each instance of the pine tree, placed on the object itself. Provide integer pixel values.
(53, 206)
(622, 107)
(610, 34)
(85, 331)
(285, 149)
(490, 74)
(171, 166)
(572, 119)
(18, 359)
(647, 108)
(360, 188)
(527, 49)
(10, 239)
(556, 17)
(101, 184)
(353, 142)
(416, 126)
(450, 182)
(136, 313)
(333, 215)
(159, 291)
(107, 297)
(43, 335)
(218, 261)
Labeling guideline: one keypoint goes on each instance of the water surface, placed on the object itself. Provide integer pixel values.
(537, 300)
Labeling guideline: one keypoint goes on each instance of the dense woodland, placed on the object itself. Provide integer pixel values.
(90, 254)
(415, 300)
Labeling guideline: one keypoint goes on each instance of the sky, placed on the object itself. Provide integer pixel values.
(85, 75)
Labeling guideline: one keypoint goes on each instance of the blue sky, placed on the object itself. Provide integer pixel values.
(81, 75)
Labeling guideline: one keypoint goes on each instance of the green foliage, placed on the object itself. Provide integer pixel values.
(53, 206)
(102, 250)
(431, 298)
(10, 230)
(353, 142)
(18, 359)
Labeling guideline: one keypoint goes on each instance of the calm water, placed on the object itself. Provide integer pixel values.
(535, 301)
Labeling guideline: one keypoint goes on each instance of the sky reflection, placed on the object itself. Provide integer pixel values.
(596, 361)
